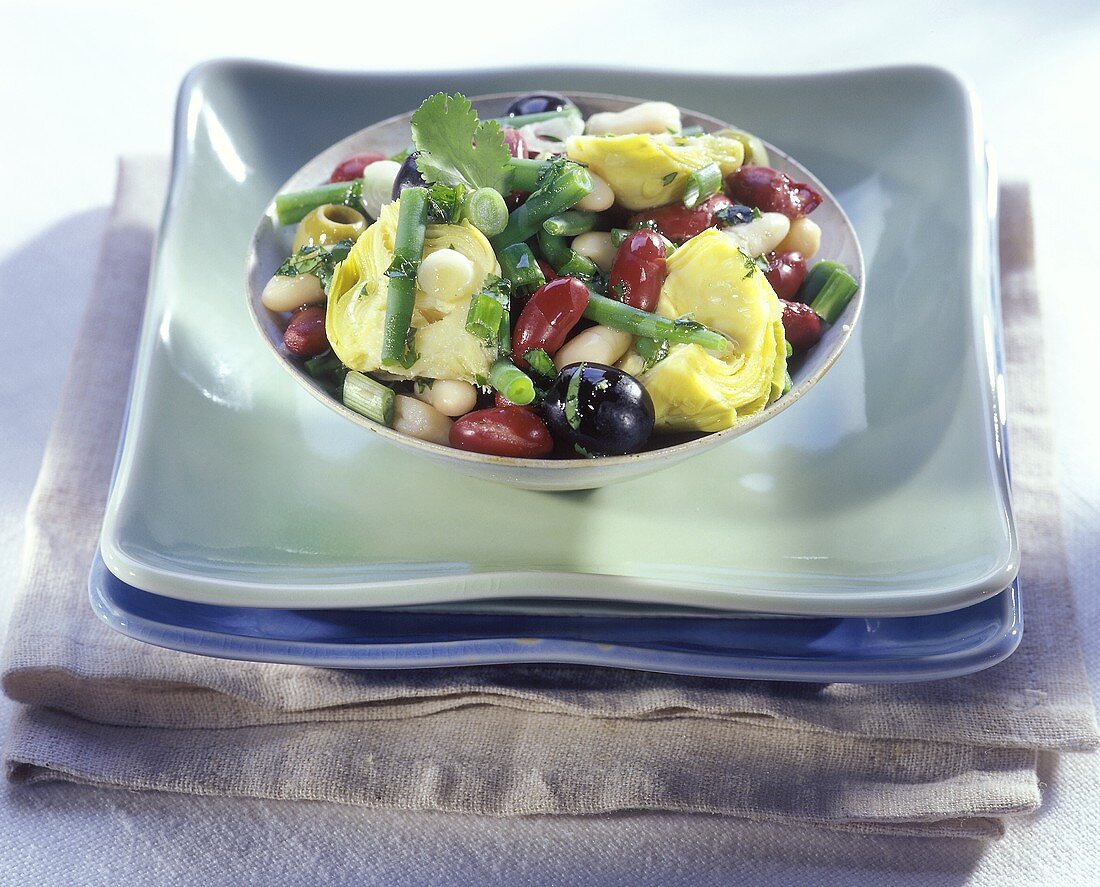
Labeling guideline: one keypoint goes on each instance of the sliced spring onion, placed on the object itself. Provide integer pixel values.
(518, 264)
(368, 397)
(828, 288)
(486, 210)
(512, 382)
(570, 223)
(701, 184)
(693, 130)
(485, 318)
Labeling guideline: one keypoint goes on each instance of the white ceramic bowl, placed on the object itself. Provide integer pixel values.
(270, 245)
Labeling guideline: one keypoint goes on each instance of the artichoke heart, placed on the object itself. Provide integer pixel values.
(697, 390)
(651, 170)
(357, 304)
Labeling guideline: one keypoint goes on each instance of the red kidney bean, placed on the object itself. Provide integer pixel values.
(547, 318)
(353, 167)
(801, 325)
(678, 223)
(514, 142)
(639, 270)
(305, 334)
(785, 273)
(502, 431)
(771, 191)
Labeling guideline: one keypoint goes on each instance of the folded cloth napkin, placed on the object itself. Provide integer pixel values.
(949, 757)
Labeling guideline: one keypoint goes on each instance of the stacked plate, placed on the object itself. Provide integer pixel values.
(249, 521)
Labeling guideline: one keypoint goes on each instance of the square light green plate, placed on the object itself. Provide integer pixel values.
(882, 492)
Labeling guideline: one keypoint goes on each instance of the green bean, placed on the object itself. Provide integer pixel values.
(401, 296)
(570, 223)
(564, 260)
(519, 265)
(620, 316)
(563, 189)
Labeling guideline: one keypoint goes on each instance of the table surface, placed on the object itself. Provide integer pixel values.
(85, 85)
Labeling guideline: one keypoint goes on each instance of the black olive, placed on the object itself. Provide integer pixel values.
(537, 103)
(597, 410)
(736, 214)
(407, 177)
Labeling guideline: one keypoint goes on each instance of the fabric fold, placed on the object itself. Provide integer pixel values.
(951, 757)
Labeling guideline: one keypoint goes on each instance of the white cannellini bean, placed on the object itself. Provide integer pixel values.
(450, 396)
(378, 179)
(287, 293)
(559, 130)
(601, 196)
(804, 237)
(445, 274)
(597, 246)
(420, 420)
(631, 363)
(646, 117)
(597, 344)
(760, 235)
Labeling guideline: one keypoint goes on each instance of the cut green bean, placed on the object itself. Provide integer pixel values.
(562, 189)
(520, 266)
(526, 173)
(512, 382)
(295, 206)
(564, 260)
(570, 223)
(620, 316)
(828, 288)
(486, 210)
(408, 246)
(368, 397)
(701, 184)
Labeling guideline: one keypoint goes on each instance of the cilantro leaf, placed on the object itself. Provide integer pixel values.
(457, 149)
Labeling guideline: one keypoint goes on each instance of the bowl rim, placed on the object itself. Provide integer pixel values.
(706, 440)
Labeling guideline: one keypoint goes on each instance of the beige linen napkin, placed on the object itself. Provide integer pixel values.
(941, 758)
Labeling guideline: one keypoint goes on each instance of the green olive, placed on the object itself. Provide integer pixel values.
(329, 223)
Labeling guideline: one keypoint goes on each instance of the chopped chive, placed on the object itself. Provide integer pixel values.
(368, 397)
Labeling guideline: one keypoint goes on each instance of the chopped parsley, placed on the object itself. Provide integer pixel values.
(572, 398)
(653, 351)
(540, 362)
(669, 179)
(317, 260)
(445, 203)
(621, 290)
(752, 265)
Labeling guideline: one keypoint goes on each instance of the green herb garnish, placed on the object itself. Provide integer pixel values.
(317, 260)
(572, 399)
(540, 362)
(669, 179)
(456, 148)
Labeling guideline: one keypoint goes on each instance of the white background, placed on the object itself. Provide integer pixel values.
(82, 83)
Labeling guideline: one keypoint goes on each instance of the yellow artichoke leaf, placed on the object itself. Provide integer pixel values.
(356, 312)
(695, 389)
(651, 170)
